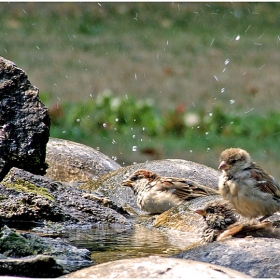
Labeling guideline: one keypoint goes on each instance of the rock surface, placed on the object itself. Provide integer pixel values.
(73, 162)
(34, 198)
(110, 184)
(24, 122)
(39, 266)
(155, 267)
(61, 257)
(255, 257)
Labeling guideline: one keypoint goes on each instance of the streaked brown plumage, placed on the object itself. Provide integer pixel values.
(249, 188)
(156, 194)
(223, 222)
(218, 216)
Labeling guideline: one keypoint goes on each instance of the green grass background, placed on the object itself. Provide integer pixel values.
(219, 61)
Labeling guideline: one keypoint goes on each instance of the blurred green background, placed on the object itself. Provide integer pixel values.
(143, 81)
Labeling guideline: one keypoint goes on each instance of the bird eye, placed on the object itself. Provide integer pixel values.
(211, 210)
(134, 178)
(233, 161)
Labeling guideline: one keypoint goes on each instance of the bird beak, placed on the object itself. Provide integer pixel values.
(127, 183)
(223, 166)
(201, 212)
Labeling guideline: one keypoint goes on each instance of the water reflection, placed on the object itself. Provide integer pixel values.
(108, 243)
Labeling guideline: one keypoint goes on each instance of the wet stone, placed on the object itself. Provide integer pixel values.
(255, 257)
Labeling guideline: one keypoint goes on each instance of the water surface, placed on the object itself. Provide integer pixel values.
(108, 243)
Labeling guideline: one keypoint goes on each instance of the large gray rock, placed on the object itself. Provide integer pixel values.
(24, 122)
(73, 162)
(156, 267)
(256, 257)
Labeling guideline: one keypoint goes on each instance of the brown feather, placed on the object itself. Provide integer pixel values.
(186, 189)
(265, 181)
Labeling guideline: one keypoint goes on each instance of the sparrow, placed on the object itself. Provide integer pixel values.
(223, 222)
(218, 216)
(250, 189)
(156, 194)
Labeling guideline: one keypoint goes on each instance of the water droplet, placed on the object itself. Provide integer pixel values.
(104, 124)
(117, 119)
(210, 114)
(37, 47)
(90, 95)
(143, 128)
(232, 101)
(223, 90)
(208, 149)
(231, 122)
(133, 136)
(237, 37)
(198, 126)
(114, 141)
(207, 132)
(78, 120)
(134, 120)
(227, 61)
(191, 151)
(134, 148)
(64, 131)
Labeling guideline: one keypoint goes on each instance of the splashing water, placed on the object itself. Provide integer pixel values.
(227, 61)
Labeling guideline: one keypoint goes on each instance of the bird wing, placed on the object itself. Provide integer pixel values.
(186, 189)
(266, 182)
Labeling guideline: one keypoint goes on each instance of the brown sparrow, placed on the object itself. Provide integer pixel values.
(249, 188)
(218, 216)
(156, 194)
(223, 222)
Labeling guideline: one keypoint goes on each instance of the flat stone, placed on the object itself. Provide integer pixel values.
(255, 257)
(156, 267)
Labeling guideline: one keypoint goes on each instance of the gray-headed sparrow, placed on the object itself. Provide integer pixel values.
(156, 194)
(249, 188)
